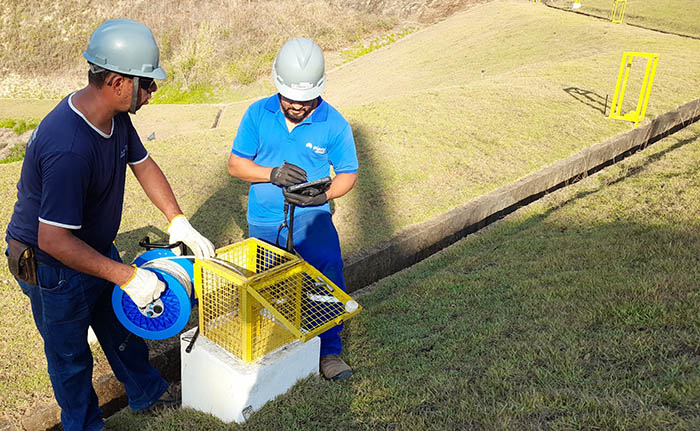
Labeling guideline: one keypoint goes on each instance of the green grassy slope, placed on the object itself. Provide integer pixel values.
(578, 312)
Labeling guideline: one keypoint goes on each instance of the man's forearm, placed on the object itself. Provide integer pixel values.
(71, 251)
(248, 170)
(342, 183)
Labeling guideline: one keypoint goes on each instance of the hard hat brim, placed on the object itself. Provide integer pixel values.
(299, 95)
(157, 73)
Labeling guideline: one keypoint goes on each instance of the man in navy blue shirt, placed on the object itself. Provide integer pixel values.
(287, 139)
(68, 211)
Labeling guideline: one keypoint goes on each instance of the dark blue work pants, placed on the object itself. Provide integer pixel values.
(316, 241)
(64, 304)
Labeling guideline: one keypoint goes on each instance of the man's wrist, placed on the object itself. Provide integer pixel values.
(128, 273)
(323, 196)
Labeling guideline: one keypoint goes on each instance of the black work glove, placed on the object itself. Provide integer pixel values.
(304, 200)
(287, 175)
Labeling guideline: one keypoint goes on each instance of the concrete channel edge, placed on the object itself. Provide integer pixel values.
(418, 242)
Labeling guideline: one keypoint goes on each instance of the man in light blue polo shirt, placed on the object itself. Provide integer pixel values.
(289, 138)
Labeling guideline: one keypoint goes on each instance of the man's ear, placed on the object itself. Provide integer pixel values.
(117, 83)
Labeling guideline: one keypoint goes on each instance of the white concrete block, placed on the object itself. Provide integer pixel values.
(214, 381)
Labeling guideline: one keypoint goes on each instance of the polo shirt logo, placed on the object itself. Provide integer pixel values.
(315, 149)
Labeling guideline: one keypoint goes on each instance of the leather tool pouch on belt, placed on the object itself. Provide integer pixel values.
(22, 262)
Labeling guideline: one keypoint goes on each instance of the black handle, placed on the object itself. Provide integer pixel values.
(189, 347)
(148, 245)
(290, 229)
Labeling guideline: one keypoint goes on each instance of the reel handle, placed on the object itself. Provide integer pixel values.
(148, 245)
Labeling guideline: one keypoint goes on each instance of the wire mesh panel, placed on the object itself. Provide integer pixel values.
(219, 310)
(253, 256)
(303, 300)
(255, 298)
(266, 332)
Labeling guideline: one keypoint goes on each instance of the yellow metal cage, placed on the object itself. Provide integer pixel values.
(255, 298)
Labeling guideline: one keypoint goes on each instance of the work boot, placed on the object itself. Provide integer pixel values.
(334, 368)
(170, 398)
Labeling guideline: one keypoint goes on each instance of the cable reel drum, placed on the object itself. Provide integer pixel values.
(170, 313)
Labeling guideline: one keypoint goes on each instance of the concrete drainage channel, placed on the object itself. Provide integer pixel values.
(416, 243)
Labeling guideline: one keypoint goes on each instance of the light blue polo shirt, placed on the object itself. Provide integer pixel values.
(322, 140)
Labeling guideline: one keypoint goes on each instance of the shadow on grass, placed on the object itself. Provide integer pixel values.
(370, 212)
(589, 98)
(633, 170)
(222, 209)
(128, 242)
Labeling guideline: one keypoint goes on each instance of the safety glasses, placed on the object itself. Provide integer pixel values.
(144, 83)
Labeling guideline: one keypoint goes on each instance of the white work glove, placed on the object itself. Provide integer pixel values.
(180, 229)
(144, 287)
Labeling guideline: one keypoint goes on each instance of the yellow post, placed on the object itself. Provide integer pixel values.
(621, 85)
(297, 302)
(625, 79)
(198, 289)
(645, 92)
(617, 13)
(247, 324)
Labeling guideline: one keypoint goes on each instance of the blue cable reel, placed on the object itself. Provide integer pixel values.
(169, 314)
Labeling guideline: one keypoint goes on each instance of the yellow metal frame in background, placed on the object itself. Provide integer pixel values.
(622, 77)
(617, 12)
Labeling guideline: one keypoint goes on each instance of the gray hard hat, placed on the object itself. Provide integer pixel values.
(299, 70)
(126, 47)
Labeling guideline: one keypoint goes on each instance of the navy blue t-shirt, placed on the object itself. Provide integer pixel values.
(73, 177)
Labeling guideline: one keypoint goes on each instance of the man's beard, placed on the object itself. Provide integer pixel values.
(296, 117)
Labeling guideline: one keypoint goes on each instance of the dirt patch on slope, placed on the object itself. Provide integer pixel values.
(426, 11)
(9, 140)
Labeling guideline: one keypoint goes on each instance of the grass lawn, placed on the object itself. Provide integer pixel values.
(679, 16)
(455, 110)
(580, 311)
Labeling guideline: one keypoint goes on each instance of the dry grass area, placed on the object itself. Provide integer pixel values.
(427, 11)
(205, 44)
(678, 16)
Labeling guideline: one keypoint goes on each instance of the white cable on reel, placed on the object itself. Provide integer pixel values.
(167, 265)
